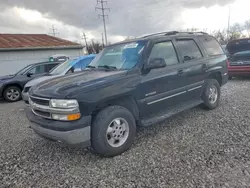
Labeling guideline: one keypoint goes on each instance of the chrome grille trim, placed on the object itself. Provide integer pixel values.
(44, 108)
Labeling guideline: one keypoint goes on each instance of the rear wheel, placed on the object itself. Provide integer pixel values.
(113, 131)
(12, 94)
(211, 94)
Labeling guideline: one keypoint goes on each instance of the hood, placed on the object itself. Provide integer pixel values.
(7, 77)
(240, 45)
(40, 79)
(63, 86)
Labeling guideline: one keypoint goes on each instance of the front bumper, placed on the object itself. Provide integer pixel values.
(75, 133)
(25, 97)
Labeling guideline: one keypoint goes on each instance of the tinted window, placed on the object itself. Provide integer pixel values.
(85, 62)
(189, 50)
(50, 66)
(211, 45)
(37, 69)
(166, 51)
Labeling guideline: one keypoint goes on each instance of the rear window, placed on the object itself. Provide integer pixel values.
(211, 45)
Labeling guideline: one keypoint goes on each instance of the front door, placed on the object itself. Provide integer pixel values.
(162, 88)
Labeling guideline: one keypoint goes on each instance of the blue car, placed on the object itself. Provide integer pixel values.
(70, 66)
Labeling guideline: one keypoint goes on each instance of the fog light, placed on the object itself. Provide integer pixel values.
(67, 117)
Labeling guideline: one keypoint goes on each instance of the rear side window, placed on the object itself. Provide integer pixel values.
(166, 51)
(211, 45)
(189, 50)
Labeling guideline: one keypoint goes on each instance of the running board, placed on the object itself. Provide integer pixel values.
(170, 112)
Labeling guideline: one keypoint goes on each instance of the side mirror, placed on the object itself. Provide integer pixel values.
(29, 74)
(156, 63)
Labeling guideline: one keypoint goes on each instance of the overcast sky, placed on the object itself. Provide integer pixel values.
(126, 17)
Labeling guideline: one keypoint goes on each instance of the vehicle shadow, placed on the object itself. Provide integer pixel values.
(2, 101)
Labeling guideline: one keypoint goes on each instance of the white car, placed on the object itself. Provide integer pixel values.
(69, 66)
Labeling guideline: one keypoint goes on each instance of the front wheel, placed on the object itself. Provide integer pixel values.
(12, 94)
(113, 131)
(211, 94)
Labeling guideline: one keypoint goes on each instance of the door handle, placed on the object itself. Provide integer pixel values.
(180, 71)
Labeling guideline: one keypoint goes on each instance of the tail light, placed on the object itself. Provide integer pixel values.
(228, 63)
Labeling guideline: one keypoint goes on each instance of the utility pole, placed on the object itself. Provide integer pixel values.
(228, 24)
(85, 39)
(54, 33)
(103, 15)
(102, 41)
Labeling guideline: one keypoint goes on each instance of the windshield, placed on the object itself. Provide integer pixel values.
(120, 56)
(60, 69)
(243, 53)
(22, 71)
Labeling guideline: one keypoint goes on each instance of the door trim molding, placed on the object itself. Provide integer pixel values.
(158, 100)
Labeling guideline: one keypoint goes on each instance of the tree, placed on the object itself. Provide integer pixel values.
(221, 36)
(247, 27)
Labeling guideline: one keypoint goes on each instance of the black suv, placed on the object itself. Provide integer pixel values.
(137, 82)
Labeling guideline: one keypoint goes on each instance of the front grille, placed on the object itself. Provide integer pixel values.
(42, 114)
(26, 89)
(40, 101)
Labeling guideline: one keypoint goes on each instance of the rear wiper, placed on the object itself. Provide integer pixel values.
(107, 67)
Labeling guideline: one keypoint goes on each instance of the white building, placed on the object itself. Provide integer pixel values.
(19, 50)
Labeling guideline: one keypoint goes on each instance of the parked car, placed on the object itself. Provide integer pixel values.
(69, 66)
(239, 60)
(137, 82)
(59, 57)
(11, 85)
(226, 51)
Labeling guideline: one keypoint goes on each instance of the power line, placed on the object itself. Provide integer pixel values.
(54, 33)
(103, 15)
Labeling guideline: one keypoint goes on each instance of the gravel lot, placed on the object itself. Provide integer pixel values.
(196, 148)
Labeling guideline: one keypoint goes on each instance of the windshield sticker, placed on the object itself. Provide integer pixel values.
(131, 45)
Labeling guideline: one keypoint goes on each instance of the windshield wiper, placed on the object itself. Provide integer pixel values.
(90, 66)
(107, 67)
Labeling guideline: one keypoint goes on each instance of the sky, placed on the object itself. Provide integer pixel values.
(126, 17)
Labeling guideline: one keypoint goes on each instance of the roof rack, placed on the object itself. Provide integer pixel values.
(173, 33)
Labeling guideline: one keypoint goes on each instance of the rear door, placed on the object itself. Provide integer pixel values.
(194, 65)
(162, 88)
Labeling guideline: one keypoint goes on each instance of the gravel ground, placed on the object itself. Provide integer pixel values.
(195, 148)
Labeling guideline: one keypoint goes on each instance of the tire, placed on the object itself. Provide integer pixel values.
(101, 139)
(12, 94)
(230, 77)
(207, 96)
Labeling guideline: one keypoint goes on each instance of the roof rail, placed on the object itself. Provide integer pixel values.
(174, 33)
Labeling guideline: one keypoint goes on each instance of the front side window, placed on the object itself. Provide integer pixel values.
(189, 50)
(166, 51)
(120, 56)
(37, 69)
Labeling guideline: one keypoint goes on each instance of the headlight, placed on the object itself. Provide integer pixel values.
(57, 103)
